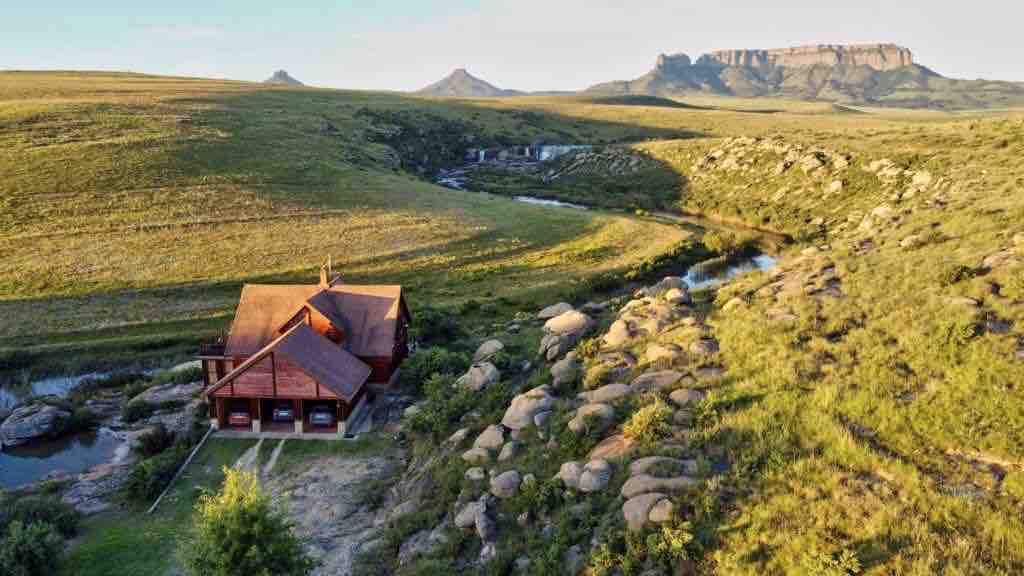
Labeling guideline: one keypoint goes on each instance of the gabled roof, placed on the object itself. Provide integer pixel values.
(318, 357)
(368, 315)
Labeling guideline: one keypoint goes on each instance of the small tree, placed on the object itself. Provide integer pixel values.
(29, 549)
(239, 531)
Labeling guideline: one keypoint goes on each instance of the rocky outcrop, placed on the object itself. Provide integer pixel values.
(881, 57)
(36, 420)
(282, 78)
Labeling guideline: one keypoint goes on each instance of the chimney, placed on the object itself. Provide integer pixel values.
(323, 276)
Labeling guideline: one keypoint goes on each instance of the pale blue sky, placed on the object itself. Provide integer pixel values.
(523, 44)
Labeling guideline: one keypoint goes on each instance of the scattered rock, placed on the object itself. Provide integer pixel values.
(491, 438)
(554, 310)
(617, 335)
(506, 484)
(509, 451)
(570, 473)
(613, 448)
(565, 371)
(662, 352)
(479, 376)
(476, 474)
(595, 476)
(596, 417)
(643, 466)
(647, 483)
(31, 421)
(485, 527)
(637, 509)
(678, 296)
(571, 323)
(684, 397)
(661, 512)
(606, 394)
(524, 407)
(488, 350)
(659, 381)
(704, 347)
(477, 456)
(458, 437)
(466, 518)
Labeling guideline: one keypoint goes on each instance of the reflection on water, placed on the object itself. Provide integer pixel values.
(545, 202)
(21, 465)
(702, 276)
(58, 386)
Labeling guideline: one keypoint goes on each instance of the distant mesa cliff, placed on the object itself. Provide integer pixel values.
(881, 57)
(462, 84)
(877, 74)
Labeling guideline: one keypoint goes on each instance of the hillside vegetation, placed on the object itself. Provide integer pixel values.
(133, 207)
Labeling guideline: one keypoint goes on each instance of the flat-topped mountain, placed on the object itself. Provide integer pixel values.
(879, 74)
(461, 83)
(282, 77)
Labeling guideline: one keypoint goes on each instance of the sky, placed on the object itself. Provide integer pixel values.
(522, 44)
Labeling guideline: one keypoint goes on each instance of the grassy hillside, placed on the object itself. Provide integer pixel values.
(133, 207)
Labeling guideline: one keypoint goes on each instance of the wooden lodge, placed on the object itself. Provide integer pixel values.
(298, 350)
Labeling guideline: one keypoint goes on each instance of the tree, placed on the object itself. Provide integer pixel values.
(238, 531)
(29, 549)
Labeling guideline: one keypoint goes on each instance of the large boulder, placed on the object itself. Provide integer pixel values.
(490, 439)
(678, 296)
(613, 448)
(554, 310)
(466, 518)
(488, 350)
(651, 463)
(618, 334)
(525, 406)
(570, 473)
(606, 394)
(596, 417)
(35, 420)
(595, 476)
(684, 397)
(571, 323)
(506, 484)
(659, 381)
(565, 371)
(169, 393)
(636, 509)
(644, 483)
(477, 456)
(479, 376)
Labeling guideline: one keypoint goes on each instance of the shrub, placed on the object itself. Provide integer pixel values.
(843, 563)
(597, 376)
(137, 410)
(239, 531)
(956, 273)
(670, 544)
(30, 549)
(154, 442)
(429, 361)
(650, 423)
(445, 403)
(29, 510)
(435, 326)
(150, 476)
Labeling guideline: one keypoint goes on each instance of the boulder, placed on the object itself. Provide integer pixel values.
(554, 310)
(488, 350)
(595, 476)
(466, 518)
(486, 529)
(606, 394)
(506, 484)
(475, 474)
(661, 512)
(458, 437)
(169, 393)
(541, 418)
(525, 406)
(571, 323)
(570, 473)
(704, 347)
(618, 334)
(613, 447)
(659, 381)
(565, 371)
(597, 417)
(645, 465)
(678, 297)
(31, 421)
(646, 483)
(479, 376)
(684, 397)
(491, 438)
(662, 352)
(637, 509)
(477, 456)
(509, 451)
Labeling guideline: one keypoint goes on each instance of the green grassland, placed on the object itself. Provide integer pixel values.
(886, 423)
(133, 208)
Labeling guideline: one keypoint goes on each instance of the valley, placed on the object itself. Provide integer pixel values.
(848, 404)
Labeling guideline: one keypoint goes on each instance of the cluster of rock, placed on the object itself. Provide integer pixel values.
(35, 420)
(609, 162)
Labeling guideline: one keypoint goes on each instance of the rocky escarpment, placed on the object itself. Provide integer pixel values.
(876, 56)
(880, 74)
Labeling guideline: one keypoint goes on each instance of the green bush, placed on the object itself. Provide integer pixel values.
(30, 510)
(30, 549)
(154, 442)
(151, 476)
(429, 361)
(435, 326)
(445, 403)
(137, 410)
(239, 531)
(650, 423)
(956, 273)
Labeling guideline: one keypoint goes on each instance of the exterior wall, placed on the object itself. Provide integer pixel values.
(258, 382)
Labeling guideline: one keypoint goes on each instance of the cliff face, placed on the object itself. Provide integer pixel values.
(881, 57)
